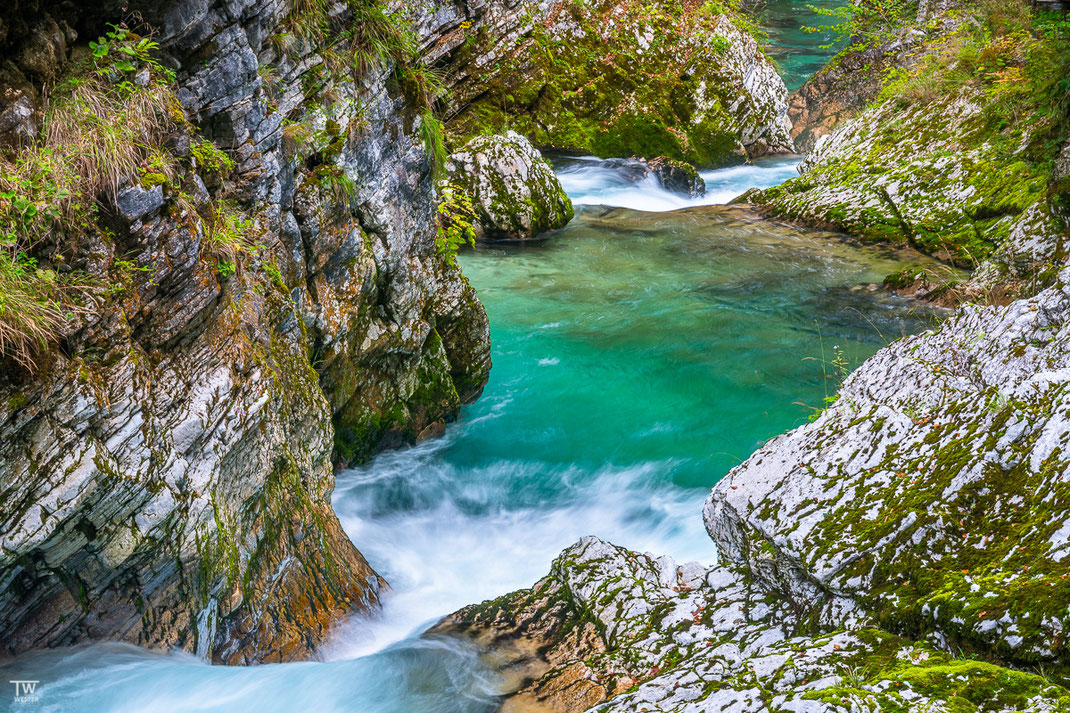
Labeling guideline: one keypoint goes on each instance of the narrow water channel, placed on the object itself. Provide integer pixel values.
(639, 354)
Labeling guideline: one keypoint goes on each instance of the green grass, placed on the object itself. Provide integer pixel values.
(100, 129)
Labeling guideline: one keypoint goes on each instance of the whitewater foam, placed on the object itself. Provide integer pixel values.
(592, 181)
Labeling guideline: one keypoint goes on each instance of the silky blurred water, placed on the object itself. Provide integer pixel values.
(637, 357)
(592, 181)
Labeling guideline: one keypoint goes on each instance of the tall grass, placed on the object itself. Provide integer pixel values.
(100, 128)
(30, 307)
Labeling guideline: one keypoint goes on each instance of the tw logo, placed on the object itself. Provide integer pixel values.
(25, 691)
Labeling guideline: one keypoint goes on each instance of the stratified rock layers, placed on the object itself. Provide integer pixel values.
(165, 474)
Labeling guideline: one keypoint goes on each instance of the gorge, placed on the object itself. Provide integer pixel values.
(284, 360)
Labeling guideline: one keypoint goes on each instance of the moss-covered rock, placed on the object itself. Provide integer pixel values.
(677, 176)
(933, 495)
(622, 78)
(954, 153)
(632, 632)
(513, 191)
(166, 476)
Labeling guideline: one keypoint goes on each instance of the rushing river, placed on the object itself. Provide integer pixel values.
(639, 354)
(637, 357)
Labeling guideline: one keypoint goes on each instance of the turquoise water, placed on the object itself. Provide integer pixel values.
(798, 53)
(638, 356)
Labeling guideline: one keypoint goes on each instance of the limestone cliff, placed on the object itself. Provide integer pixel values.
(253, 297)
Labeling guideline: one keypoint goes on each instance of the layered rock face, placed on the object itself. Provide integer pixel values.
(613, 78)
(166, 469)
(905, 551)
(514, 192)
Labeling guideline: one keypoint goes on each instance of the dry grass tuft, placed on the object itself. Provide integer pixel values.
(106, 123)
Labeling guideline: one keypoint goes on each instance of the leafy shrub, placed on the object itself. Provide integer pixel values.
(455, 218)
(863, 23)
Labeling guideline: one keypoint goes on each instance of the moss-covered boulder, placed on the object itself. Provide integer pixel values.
(621, 78)
(514, 193)
(933, 496)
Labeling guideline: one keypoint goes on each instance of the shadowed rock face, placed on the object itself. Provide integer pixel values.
(165, 473)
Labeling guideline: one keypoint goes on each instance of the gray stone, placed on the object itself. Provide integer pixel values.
(514, 192)
(135, 202)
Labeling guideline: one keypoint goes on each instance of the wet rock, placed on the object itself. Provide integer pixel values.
(627, 631)
(677, 177)
(514, 192)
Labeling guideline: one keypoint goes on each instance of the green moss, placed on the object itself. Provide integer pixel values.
(602, 91)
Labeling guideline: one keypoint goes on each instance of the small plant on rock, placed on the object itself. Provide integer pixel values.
(455, 218)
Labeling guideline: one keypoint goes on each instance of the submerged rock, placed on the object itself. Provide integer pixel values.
(514, 192)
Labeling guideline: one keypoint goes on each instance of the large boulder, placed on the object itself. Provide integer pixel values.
(933, 495)
(617, 78)
(514, 192)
